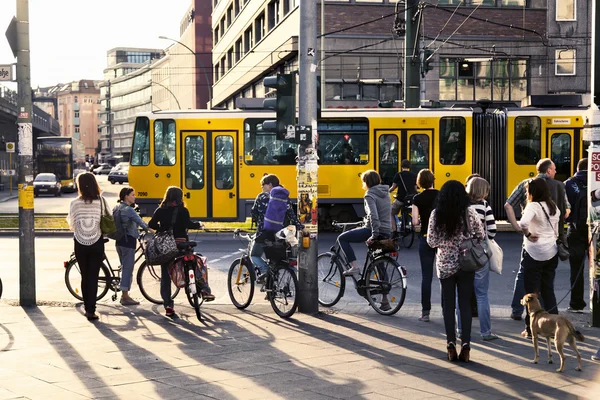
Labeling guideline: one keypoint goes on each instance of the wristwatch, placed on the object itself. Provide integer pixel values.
(528, 234)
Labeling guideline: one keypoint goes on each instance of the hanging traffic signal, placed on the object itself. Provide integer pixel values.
(426, 61)
(284, 105)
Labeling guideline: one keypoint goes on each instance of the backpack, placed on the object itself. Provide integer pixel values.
(120, 232)
(580, 208)
(276, 209)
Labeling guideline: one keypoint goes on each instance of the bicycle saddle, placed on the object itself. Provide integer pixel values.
(185, 245)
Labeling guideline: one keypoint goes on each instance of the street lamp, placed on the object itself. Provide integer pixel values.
(168, 90)
(208, 84)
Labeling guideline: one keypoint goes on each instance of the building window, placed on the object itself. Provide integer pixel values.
(223, 66)
(248, 40)
(238, 50)
(229, 58)
(216, 72)
(259, 27)
(216, 34)
(236, 4)
(565, 62)
(229, 15)
(565, 10)
(273, 14)
(76, 114)
(222, 25)
(75, 99)
(286, 6)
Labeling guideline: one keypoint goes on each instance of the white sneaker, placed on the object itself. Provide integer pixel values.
(352, 271)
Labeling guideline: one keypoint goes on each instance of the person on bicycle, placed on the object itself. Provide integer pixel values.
(377, 219)
(128, 221)
(161, 222)
(423, 204)
(259, 208)
(406, 183)
(446, 232)
(84, 217)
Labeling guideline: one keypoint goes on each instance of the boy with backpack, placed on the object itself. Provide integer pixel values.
(577, 234)
(272, 210)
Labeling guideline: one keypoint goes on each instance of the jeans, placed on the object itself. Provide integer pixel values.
(519, 289)
(127, 257)
(481, 285)
(256, 256)
(165, 285)
(539, 277)
(90, 260)
(427, 256)
(355, 235)
(577, 252)
(463, 281)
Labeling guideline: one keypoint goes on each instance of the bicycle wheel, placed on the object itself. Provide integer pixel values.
(240, 284)
(408, 232)
(284, 289)
(386, 285)
(330, 279)
(73, 280)
(148, 280)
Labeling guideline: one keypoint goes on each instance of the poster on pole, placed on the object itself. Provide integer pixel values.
(307, 193)
(594, 218)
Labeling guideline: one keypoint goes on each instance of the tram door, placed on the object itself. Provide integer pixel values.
(415, 146)
(561, 151)
(208, 174)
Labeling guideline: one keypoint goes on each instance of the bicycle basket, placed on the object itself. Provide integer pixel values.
(275, 251)
(385, 245)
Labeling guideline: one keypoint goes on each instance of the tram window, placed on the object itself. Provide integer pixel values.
(164, 142)
(194, 162)
(260, 147)
(224, 162)
(343, 142)
(561, 155)
(453, 133)
(527, 140)
(388, 157)
(140, 154)
(419, 152)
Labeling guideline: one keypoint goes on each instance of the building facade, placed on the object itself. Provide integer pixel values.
(500, 50)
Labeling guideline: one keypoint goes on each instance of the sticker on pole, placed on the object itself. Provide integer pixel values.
(25, 196)
(25, 139)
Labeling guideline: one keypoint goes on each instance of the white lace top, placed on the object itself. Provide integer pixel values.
(84, 220)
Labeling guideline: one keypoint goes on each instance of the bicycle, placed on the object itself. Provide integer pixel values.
(193, 288)
(281, 283)
(382, 282)
(109, 278)
(405, 228)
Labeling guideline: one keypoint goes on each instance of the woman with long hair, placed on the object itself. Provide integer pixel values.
(84, 220)
(539, 224)
(446, 231)
(161, 221)
(128, 221)
(423, 204)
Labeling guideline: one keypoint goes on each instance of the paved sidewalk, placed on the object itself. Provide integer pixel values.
(352, 353)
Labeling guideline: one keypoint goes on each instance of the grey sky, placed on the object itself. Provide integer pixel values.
(69, 38)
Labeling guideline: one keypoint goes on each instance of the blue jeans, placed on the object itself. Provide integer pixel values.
(165, 285)
(481, 285)
(355, 235)
(127, 258)
(256, 256)
(519, 289)
(427, 256)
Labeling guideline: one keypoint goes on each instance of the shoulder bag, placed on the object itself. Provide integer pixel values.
(408, 198)
(107, 222)
(473, 254)
(496, 253)
(563, 249)
(161, 248)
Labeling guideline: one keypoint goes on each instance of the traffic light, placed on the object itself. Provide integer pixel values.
(284, 104)
(426, 61)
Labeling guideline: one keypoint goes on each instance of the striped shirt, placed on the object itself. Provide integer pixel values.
(84, 220)
(486, 216)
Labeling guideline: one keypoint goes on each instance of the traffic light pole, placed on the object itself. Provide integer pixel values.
(308, 297)
(25, 148)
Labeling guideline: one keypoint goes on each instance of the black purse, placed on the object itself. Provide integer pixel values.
(473, 253)
(563, 249)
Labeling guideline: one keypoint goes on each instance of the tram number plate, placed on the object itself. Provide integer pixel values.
(142, 194)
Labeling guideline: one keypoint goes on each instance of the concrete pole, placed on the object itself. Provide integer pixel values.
(411, 58)
(594, 273)
(308, 297)
(25, 146)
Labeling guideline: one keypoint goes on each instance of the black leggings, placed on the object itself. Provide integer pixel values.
(89, 259)
(464, 282)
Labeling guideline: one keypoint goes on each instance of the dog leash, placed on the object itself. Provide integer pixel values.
(589, 243)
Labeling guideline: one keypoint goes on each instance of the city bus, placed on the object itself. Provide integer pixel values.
(62, 156)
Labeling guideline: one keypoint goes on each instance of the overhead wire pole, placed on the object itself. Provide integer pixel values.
(308, 296)
(25, 157)
(411, 57)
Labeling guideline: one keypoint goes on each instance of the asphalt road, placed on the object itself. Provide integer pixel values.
(222, 249)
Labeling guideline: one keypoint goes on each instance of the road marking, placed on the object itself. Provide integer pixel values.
(227, 256)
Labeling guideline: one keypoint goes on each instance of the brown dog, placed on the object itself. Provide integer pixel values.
(551, 325)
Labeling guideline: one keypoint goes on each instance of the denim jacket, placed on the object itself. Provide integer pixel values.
(129, 219)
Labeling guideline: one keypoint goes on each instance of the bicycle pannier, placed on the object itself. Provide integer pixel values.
(177, 272)
(386, 245)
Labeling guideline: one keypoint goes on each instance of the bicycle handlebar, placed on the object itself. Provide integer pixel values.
(344, 225)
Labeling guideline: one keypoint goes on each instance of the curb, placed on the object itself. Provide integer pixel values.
(65, 233)
(7, 198)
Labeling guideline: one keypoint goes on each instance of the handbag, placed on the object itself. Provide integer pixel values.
(408, 197)
(563, 249)
(496, 253)
(473, 253)
(107, 222)
(161, 248)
